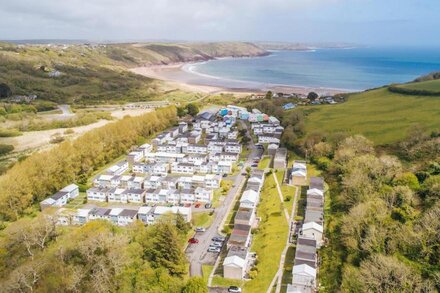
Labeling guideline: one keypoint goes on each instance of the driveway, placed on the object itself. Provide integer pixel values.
(198, 254)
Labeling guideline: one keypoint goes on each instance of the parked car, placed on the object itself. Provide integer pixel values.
(193, 241)
(234, 289)
(218, 239)
(214, 249)
(216, 244)
(197, 205)
(208, 206)
(200, 229)
(254, 165)
(225, 175)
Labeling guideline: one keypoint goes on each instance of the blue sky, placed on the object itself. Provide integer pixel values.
(369, 22)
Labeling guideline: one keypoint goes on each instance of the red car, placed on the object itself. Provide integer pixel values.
(193, 241)
(197, 205)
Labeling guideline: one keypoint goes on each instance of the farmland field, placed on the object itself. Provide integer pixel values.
(380, 115)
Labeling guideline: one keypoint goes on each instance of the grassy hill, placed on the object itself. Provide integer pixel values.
(380, 115)
(93, 74)
(429, 85)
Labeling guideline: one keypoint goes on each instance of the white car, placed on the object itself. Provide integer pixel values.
(200, 229)
(216, 244)
(214, 249)
(234, 289)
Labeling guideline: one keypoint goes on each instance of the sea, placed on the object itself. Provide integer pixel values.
(350, 69)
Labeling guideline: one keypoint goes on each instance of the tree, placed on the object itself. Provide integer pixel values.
(192, 109)
(312, 96)
(245, 140)
(268, 95)
(181, 112)
(5, 90)
(387, 274)
(195, 285)
(181, 224)
(165, 249)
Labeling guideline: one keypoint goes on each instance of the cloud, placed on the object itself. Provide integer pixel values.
(284, 20)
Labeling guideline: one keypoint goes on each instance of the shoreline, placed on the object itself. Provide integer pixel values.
(181, 76)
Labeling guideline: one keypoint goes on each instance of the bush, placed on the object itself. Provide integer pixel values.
(9, 132)
(323, 163)
(5, 148)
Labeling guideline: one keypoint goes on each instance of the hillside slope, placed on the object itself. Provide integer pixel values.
(94, 74)
(380, 115)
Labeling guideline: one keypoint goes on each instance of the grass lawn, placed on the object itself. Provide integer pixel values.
(77, 202)
(264, 163)
(270, 239)
(220, 192)
(287, 270)
(206, 271)
(202, 219)
(378, 114)
(218, 281)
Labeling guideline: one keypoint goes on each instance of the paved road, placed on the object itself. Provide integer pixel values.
(198, 254)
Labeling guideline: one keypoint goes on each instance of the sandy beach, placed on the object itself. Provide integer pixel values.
(178, 76)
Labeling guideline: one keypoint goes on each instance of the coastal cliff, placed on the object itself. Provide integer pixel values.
(146, 54)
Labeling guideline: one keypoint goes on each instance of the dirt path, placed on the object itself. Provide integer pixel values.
(38, 140)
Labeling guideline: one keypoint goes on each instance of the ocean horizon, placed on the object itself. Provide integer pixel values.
(347, 69)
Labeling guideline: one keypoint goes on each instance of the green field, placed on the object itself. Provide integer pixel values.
(429, 85)
(380, 115)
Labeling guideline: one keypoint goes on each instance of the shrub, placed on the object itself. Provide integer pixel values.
(6, 148)
(9, 132)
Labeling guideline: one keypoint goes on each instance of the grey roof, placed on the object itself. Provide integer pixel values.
(128, 213)
(133, 191)
(238, 251)
(314, 216)
(317, 182)
(314, 203)
(310, 263)
(100, 212)
(243, 215)
(281, 152)
(59, 195)
(306, 241)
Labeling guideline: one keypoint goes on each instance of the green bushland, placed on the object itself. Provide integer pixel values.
(41, 174)
(381, 215)
(96, 257)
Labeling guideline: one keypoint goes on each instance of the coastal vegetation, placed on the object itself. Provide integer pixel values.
(96, 74)
(38, 256)
(382, 223)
